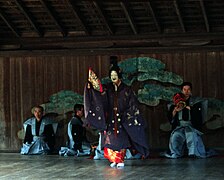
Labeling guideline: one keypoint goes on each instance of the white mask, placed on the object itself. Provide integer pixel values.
(114, 77)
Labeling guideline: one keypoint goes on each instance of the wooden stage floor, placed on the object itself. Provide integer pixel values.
(53, 167)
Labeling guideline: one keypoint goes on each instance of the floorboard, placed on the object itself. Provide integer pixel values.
(16, 166)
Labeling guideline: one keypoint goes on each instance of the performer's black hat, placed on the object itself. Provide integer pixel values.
(114, 66)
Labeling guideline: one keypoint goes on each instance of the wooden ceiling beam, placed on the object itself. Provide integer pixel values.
(9, 24)
(109, 51)
(148, 4)
(78, 15)
(103, 15)
(205, 15)
(179, 15)
(182, 37)
(54, 17)
(128, 14)
(29, 16)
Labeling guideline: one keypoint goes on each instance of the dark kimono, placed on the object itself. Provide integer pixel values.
(77, 132)
(76, 144)
(39, 136)
(186, 126)
(116, 114)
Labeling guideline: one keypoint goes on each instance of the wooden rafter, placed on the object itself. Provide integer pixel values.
(53, 16)
(78, 15)
(9, 24)
(103, 15)
(128, 14)
(205, 15)
(179, 15)
(148, 4)
(185, 37)
(109, 51)
(29, 16)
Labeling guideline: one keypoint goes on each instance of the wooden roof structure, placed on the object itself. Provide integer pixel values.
(150, 25)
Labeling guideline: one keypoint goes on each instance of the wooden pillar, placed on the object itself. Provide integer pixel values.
(2, 113)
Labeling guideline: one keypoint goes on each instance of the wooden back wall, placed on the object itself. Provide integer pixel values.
(28, 81)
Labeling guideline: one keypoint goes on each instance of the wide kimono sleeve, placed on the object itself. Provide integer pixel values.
(199, 113)
(77, 130)
(135, 125)
(28, 135)
(28, 131)
(49, 132)
(95, 104)
(172, 119)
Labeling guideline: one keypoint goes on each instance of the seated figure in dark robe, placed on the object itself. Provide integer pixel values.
(186, 115)
(39, 133)
(77, 143)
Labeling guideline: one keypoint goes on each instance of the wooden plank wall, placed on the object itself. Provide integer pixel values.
(28, 81)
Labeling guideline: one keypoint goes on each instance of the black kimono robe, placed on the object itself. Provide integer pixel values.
(117, 115)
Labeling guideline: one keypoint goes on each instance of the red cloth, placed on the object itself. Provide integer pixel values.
(114, 156)
(177, 98)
